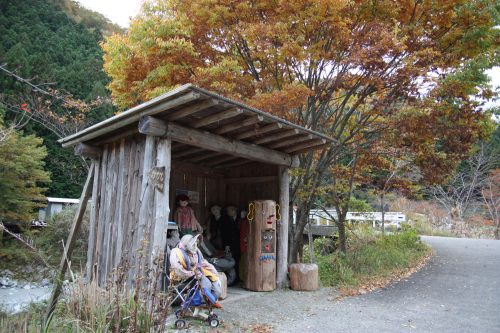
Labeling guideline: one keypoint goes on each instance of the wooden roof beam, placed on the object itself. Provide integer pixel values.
(291, 142)
(202, 139)
(259, 131)
(305, 150)
(277, 136)
(187, 152)
(239, 124)
(233, 112)
(204, 156)
(187, 111)
(219, 160)
(85, 150)
(305, 146)
(239, 162)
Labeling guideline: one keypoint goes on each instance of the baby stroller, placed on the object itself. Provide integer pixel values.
(195, 303)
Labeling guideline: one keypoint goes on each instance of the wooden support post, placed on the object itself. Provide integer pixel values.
(282, 246)
(70, 243)
(146, 197)
(162, 208)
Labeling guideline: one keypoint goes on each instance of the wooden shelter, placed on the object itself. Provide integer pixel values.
(187, 140)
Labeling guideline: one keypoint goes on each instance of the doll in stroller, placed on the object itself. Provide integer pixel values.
(201, 284)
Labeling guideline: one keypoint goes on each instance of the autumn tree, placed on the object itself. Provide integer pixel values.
(345, 68)
(22, 175)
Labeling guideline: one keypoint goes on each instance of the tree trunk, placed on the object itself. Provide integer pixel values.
(382, 204)
(342, 235)
(497, 231)
(297, 243)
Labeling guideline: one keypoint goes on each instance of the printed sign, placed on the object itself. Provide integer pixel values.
(157, 177)
(194, 196)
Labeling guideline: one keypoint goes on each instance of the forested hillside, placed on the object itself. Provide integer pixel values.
(55, 45)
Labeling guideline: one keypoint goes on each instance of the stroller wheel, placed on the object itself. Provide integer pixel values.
(180, 323)
(214, 322)
(178, 314)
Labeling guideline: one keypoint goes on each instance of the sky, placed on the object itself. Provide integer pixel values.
(120, 11)
(117, 11)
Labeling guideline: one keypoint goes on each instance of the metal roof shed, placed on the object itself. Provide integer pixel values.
(186, 139)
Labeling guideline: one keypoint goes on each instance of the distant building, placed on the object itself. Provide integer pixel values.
(54, 206)
(320, 217)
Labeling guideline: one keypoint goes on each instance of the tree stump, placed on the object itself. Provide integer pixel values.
(223, 282)
(304, 277)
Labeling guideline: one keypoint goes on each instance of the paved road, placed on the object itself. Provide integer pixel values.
(458, 291)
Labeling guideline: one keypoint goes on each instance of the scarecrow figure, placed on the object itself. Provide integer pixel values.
(187, 261)
(185, 218)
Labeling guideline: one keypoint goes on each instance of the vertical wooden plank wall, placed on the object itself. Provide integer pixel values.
(115, 208)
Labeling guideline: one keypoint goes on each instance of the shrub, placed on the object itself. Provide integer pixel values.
(371, 256)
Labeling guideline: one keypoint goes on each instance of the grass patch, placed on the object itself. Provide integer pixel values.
(372, 260)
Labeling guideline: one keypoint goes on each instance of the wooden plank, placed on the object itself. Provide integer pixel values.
(121, 121)
(306, 145)
(203, 139)
(134, 204)
(233, 112)
(102, 216)
(308, 149)
(290, 142)
(70, 243)
(89, 151)
(162, 207)
(146, 197)
(94, 217)
(259, 131)
(277, 136)
(238, 125)
(119, 136)
(188, 151)
(236, 163)
(205, 155)
(282, 226)
(128, 196)
(120, 218)
(184, 112)
(110, 221)
(220, 160)
(242, 180)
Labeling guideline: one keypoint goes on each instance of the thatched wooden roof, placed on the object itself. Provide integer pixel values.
(200, 111)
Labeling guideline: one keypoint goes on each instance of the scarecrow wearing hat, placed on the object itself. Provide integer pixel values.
(184, 216)
(186, 261)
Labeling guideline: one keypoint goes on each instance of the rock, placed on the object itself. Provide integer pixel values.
(27, 287)
(45, 282)
(4, 282)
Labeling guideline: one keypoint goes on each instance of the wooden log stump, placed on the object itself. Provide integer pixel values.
(304, 277)
(223, 282)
